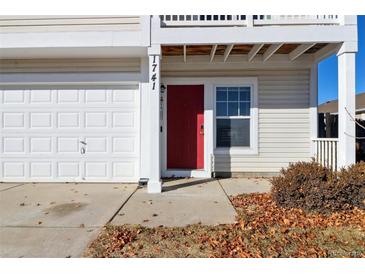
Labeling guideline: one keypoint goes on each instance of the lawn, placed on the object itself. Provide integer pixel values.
(262, 230)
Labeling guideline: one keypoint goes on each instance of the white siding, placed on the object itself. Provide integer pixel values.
(284, 125)
(68, 23)
(70, 65)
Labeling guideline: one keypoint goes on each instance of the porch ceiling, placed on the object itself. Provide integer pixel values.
(291, 49)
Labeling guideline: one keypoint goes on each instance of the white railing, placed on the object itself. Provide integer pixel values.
(326, 152)
(202, 20)
(245, 20)
(296, 20)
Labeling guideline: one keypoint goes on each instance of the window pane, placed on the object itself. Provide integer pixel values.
(221, 94)
(245, 94)
(232, 109)
(233, 132)
(244, 108)
(232, 94)
(221, 109)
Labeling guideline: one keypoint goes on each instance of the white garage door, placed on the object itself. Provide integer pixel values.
(69, 135)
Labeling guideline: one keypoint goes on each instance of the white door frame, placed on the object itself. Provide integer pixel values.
(208, 128)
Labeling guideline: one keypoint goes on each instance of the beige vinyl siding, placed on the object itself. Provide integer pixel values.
(68, 23)
(70, 65)
(284, 125)
(284, 120)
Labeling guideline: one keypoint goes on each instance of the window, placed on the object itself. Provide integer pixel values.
(233, 116)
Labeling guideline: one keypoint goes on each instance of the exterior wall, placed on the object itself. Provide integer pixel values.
(67, 23)
(70, 65)
(284, 125)
(284, 120)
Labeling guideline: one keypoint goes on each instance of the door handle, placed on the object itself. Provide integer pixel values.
(202, 129)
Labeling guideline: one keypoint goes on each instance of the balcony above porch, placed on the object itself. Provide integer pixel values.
(247, 20)
(253, 38)
(248, 30)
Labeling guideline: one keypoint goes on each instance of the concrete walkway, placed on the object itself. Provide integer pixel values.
(59, 220)
(55, 220)
(188, 201)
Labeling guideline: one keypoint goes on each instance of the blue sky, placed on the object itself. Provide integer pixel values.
(327, 69)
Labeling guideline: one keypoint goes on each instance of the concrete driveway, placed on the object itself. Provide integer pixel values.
(55, 220)
(59, 220)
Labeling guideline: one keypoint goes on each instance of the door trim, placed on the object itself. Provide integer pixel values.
(208, 129)
(209, 120)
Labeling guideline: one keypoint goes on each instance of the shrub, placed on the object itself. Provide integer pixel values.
(351, 184)
(312, 187)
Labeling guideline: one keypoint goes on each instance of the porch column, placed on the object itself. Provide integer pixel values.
(346, 108)
(313, 101)
(154, 183)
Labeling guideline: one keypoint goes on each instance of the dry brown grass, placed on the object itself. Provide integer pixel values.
(262, 230)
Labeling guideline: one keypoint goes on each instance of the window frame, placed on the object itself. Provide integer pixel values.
(243, 150)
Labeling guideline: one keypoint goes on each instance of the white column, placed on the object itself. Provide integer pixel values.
(154, 183)
(346, 109)
(145, 120)
(313, 101)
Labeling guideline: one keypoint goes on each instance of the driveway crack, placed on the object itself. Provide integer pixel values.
(123, 204)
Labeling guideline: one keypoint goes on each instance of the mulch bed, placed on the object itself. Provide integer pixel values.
(262, 230)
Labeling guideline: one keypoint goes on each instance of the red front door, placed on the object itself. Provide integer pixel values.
(185, 127)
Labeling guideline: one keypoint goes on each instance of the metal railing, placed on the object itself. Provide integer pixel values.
(326, 152)
(245, 20)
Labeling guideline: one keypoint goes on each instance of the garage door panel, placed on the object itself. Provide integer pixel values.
(96, 96)
(124, 97)
(42, 131)
(96, 119)
(13, 120)
(124, 169)
(13, 97)
(124, 120)
(69, 169)
(41, 169)
(13, 145)
(67, 120)
(70, 96)
(40, 96)
(40, 145)
(13, 169)
(69, 144)
(96, 144)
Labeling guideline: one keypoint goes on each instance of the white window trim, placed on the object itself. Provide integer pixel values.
(253, 148)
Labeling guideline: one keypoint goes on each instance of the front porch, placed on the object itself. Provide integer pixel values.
(282, 78)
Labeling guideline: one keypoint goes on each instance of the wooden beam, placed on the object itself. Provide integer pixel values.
(184, 53)
(255, 49)
(299, 51)
(212, 53)
(227, 52)
(325, 52)
(270, 51)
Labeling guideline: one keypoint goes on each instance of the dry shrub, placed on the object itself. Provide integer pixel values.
(312, 187)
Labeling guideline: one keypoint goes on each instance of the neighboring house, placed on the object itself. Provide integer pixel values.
(332, 106)
(120, 98)
(328, 123)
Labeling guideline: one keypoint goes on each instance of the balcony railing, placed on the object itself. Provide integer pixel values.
(326, 152)
(245, 20)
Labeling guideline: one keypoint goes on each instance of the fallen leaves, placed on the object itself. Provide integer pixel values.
(262, 230)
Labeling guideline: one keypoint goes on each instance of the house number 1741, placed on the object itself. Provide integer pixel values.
(154, 73)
